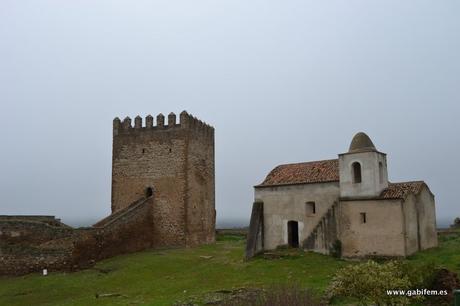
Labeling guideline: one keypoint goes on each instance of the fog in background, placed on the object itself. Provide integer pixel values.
(281, 82)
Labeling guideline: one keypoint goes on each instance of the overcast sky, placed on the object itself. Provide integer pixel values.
(281, 81)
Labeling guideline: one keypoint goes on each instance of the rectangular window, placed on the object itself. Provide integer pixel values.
(311, 208)
(362, 217)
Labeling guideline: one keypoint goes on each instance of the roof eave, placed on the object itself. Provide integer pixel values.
(293, 184)
(362, 151)
(345, 199)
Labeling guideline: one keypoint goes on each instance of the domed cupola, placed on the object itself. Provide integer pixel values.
(363, 169)
(361, 143)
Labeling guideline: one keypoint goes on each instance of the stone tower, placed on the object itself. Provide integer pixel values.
(363, 169)
(173, 163)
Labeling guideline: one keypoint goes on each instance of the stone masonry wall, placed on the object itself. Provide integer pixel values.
(200, 203)
(152, 158)
(384, 220)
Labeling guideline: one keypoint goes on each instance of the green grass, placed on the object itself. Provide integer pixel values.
(446, 255)
(162, 277)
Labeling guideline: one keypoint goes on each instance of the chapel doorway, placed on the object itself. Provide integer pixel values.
(293, 234)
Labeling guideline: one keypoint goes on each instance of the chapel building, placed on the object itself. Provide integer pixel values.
(344, 206)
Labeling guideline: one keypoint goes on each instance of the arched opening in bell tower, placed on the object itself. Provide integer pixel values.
(356, 168)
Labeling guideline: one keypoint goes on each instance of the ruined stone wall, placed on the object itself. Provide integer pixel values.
(25, 244)
(51, 220)
(26, 230)
(57, 249)
(34, 261)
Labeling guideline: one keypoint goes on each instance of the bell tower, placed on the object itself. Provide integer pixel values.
(362, 170)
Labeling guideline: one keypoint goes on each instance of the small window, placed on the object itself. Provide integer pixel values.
(356, 172)
(148, 192)
(362, 217)
(381, 172)
(311, 208)
(143, 151)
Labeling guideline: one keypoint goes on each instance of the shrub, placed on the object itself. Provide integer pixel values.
(456, 222)
(368, 282)
(420, 275)
(444, 280)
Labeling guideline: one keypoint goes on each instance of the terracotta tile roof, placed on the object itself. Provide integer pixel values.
(401, 190)
(303, 173)
(328, 171)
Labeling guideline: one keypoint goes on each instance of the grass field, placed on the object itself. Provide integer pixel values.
(163, 277)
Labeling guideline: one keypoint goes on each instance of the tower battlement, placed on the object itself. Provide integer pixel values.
(186, 121)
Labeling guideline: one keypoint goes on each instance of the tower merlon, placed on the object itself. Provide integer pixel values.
(149, 121)
(200, 125)
(171, 119)
(160, 120)
(127, 123)
(184, 119)
(116, 125)
(138, 122)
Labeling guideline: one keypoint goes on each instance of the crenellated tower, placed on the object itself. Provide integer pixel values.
(174, 163)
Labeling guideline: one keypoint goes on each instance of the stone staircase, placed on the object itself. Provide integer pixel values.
(120, 213)
(255, 237)
(325, 233)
